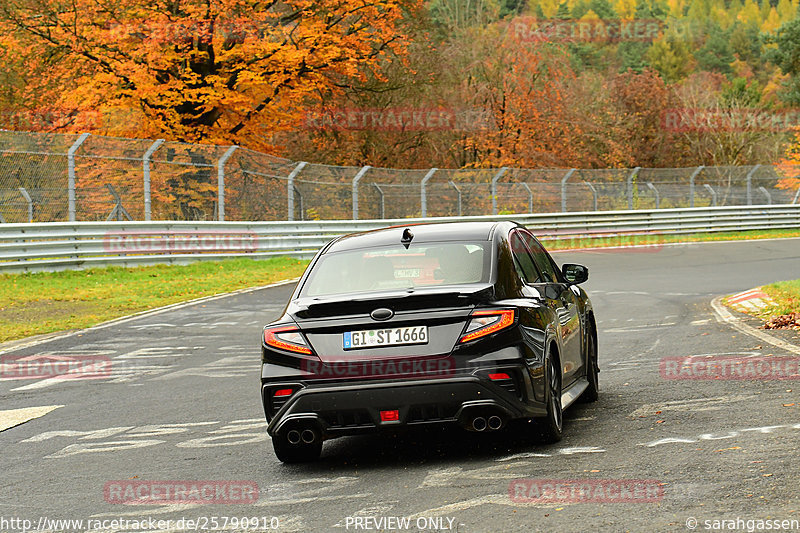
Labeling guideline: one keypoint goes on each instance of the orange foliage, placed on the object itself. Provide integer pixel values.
(218, 71)
(196, 71)
(790, 166)
(524, 95)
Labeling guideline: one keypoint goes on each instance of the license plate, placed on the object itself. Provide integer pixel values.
(385, 337)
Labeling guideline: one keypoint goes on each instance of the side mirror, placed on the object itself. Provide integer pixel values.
(575, 274)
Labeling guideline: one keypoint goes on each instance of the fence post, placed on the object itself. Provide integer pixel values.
(594, 195)
(530, 197)
(71, 175)
(221, 182)
(750, 185)
(494, 188)
(766, 193)
(28, 199)
(146, 171)
(458, 191)
(713, 194)
(302, 207)
(566, 177)
(691, 184)
(290, 189)
(383, 203)
(632, 175)
(356, 179)
(653, 188)
(796, 196)
(423, 192)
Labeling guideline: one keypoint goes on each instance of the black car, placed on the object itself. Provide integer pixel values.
(468, 323)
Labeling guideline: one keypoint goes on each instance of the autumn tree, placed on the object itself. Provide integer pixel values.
(640, 102)
(221, 71)
(225, 71)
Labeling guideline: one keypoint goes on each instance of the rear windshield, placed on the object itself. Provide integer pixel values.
(379, 269)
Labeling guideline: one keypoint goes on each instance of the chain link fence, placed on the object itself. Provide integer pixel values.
(47, 177)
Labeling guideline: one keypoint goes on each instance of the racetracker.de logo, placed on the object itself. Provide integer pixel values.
(398, 119)
(600, 241)
(531, 29)
(410, 367)
(171, 492)
(730, 368)
(54, 366)
(684, 120)
(180, 241)
(585, 491)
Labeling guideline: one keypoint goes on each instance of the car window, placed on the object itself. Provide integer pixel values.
(395, 267)
(541, 258)
(523, 262)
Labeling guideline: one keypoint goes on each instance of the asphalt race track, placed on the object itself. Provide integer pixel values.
(182, 404)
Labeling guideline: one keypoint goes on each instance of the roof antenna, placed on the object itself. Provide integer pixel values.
(407, 236)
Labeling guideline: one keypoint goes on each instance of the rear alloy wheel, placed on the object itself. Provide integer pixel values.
(592, 370)
(551, 425)
(296, 453)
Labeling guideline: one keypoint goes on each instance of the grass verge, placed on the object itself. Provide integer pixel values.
(786, 295)
(784, 312)
(654, 239)
(36, 303)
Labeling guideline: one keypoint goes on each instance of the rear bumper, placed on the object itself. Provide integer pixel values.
(354, 407)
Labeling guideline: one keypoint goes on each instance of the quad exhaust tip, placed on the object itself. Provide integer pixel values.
(479, 423)
(293, 436)
(308, 436)
(491, 423)
(302, 434)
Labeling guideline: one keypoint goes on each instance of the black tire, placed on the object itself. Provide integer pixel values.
(296, 453)
(550, 427)
(591, 394)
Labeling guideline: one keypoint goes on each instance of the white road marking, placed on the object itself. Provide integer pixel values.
(523, 455)
(125, 367)
(700, 322)
(14, 417)
(695, 404)
(580, 449)
(227, 367)
(94, 447)
(726, 317)
(346, 484)
(629, 329)
(490, 499)
(710, 436)
(614, 293)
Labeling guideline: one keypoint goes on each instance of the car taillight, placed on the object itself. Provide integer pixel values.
(282, 393)
(499, 376)
(287, 338)
(487, 321)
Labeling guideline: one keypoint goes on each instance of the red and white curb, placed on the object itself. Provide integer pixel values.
(726, 317)
(750, 301)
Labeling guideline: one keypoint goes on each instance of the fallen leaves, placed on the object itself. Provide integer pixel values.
(789, 321)
(726, 449)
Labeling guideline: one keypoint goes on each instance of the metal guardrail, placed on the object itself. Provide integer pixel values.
(62, 245)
